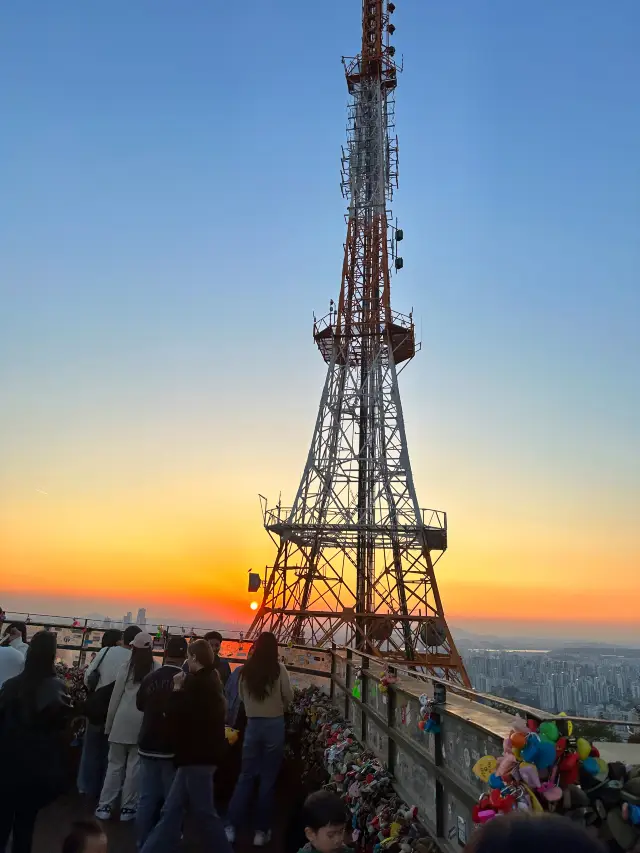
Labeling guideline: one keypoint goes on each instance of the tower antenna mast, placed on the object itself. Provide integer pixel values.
(355, 558)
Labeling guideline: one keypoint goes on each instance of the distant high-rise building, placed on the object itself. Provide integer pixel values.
(127, 618)
(141, 618)
(106, 624)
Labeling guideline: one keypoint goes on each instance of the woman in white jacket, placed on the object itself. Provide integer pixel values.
(123, 727)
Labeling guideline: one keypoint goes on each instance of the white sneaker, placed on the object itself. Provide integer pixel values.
(103, 813)
(127, 814)
(261, 839)
(230, 832)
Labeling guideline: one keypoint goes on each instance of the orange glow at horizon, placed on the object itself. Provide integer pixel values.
(181, 547)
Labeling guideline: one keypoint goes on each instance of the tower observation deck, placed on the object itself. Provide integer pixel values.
(356, 552)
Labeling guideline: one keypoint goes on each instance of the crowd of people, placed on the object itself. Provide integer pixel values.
(156, 738)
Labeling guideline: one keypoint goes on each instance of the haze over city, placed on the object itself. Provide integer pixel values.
(171, 219)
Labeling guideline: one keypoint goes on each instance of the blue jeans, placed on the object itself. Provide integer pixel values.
(192, 793)
(262, 755)
(155, 779)
(93, 762)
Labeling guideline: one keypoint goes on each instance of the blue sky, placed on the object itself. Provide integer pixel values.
(171, 218)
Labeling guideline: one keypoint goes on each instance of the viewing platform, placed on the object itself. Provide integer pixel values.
(335, 531)
(434, 772)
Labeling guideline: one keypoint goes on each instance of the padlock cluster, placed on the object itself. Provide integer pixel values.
(380, 821)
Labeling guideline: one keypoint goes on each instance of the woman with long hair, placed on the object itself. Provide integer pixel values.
(34, 712)
(265, 690)
(196, 716)
(123, 727)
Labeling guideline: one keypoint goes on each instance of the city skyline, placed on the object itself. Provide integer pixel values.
(587, 683)
(158, 278)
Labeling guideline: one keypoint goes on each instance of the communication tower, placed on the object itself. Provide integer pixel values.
(356, 553)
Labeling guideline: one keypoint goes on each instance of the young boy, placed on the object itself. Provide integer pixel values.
(325, 820)
(86, 836)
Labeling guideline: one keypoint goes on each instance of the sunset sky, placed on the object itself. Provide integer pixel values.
(170, 217)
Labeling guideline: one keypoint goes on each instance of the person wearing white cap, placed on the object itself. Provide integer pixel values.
(123, 727)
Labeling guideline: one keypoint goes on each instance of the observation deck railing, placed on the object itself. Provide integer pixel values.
(432, 771)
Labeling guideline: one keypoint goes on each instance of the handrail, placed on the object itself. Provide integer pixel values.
(465, 692)
(475, 695)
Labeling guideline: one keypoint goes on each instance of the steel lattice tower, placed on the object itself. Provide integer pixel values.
(354, 563)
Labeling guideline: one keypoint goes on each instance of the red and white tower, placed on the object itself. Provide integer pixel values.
(356, 553)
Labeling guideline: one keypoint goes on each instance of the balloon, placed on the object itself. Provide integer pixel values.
(584, 748)
(531, 749)
(546, 755)
(518, 739)
(484, 767)
(591, 766)
(549, 731)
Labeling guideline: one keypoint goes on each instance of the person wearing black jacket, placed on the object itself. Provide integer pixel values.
(155, 746)
(34, 711)
(196, 719)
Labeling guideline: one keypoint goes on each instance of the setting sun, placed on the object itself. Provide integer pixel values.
(254, 605)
